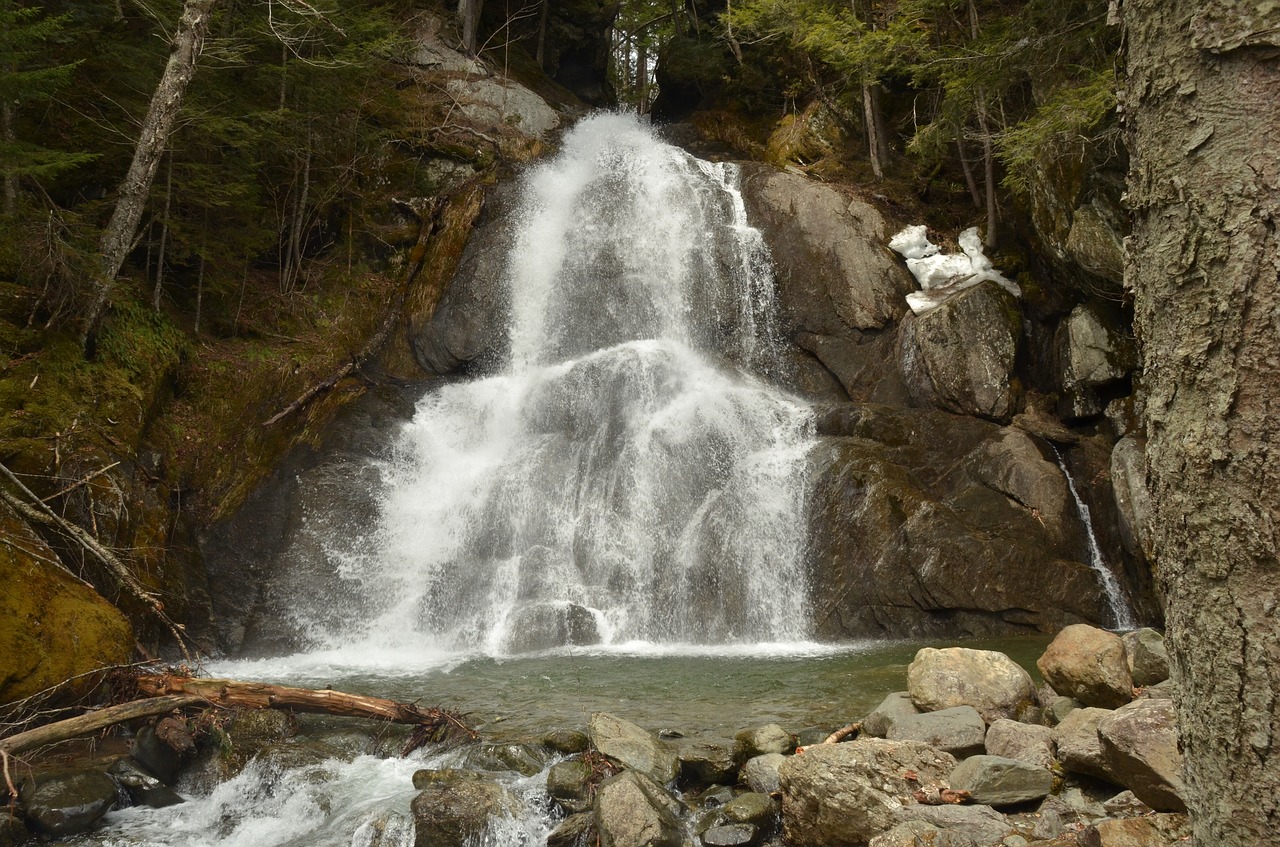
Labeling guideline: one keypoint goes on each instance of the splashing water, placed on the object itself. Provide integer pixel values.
(627, 475)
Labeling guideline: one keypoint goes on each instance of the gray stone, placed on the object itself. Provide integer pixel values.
(960, 355)
(457, 813)
(1091, 353)
(753, 808)
(634, 811)
(1024, 742)
(1126, 805)
(574, 831)
(881, 719)
(1154, 831)
(633, 747)
(524, 759)
(1140, 744)
(992, 683)
(839, 794)
(1093, 242)
(443, 776)
(566, 741)
(66, 802)
(981, 824)
(708, 762)
(429, 49)
(546, 626)
(569, 784)
(730, 835)
(1088, 664)
(502, 102)
(1060, 708)
(760, 773)
(1016, 466)
(1147, 655)
(1133, 503)
(1159, 691)
(770, 738)
(958, 731)
(920, 834)
(143, 788)
(997, 781)
(1077, 744)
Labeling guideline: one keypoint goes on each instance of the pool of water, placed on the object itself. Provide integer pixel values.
(362, 800)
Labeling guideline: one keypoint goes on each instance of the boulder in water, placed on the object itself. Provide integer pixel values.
(1090, 665)
(730, 835)
(545, 626)
(758, 740)
(574, 831)
(569, 784)
(457, 813)
(566, 741)
(634, 811)
(760, 773)
(838, 794)
(633, 747)
(708, 762)
(67, 802)
(992, 683)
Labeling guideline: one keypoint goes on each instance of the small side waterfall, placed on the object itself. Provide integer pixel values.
(627, 475)
(1121, 612)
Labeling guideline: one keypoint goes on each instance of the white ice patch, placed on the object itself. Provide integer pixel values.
(942, 275)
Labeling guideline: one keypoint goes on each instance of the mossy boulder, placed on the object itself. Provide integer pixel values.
(52, 626)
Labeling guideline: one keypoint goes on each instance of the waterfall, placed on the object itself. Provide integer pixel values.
(628, 473)
(1121, 614)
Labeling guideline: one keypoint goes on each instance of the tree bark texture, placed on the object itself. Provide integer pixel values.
(166, 102)
(1204, 266)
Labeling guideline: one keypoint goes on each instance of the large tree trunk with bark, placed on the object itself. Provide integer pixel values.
(166, 102)
(1204, 266)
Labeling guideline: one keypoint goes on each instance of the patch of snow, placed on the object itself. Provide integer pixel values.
(942, 275)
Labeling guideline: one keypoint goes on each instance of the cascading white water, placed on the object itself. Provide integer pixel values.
(627, 475)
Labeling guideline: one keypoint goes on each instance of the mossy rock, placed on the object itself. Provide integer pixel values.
(52, 627)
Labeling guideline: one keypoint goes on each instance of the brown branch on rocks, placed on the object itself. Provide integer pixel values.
(430, 723)
(94, 721)
(843, 732)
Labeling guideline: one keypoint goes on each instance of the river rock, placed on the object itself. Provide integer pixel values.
(960, 355)
(1058, 710)
(918, 834)
(546, 626)
(142, 786)
(67, 802)
(839, 794)
(12, 829)
(1148, 658)
(760, 773)
(633, 811)
(569, 784)
(1164, 830)
(1088, 664)
(881, 719)
(428, 777)
(770, 738)
(633, 747)
(708, 762)
(959, 730)
(1140, 745)
(754, 808)
(1028, 743)
(730, 835)
(992, 683)
(574, 831)
(997, 781)
(1078, 747)
(457, 813)
(980, 824)
(1159, 691)
(566, 741)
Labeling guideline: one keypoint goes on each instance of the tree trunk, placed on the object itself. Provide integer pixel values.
(873, 132)
(541, 56)
(469, 16)
(164, 236)
(96, 721)
(10, 179)
(1204, 266)
(166, 101)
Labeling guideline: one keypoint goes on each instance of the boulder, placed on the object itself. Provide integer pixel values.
(753, 808)
(56, 627)
(1090, 665)
(1148, 658)
(456, 813)
(569, 784)
(997, 781)
(1126, 805)
(548, 625)
(770, 738)
(1014, 464)
(760, 773)
(428, 777)
(574, 831)
(980, 824)
(881, 719)
(1140, 745)
(633, 747)
(960, 355)
(524, 759)
(708, 762)
(730, 835)
(992, 683)
(566, 741)
(1092, 352)
(1164, 830)
(1078, 747)
(142, 786)
(1058, 710)
(918, 834)
(958, 730)
(838, 794)
(67, 802)
(1133, 503)
(1027, 743)
(634, 811)
(503, 102)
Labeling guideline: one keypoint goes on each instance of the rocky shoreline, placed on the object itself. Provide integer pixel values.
(970, 754)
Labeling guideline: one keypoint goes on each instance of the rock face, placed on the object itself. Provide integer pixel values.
(633, 811)
(1140, 745)
(939, 543)
(838, 794)
(988, 681)
(1092, 354)
(1090, 665)
(960, 355)
(997, 781)
(54, 627)
(1148, 658)
(633, 747)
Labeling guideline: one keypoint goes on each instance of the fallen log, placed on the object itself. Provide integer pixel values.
(95, 721)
